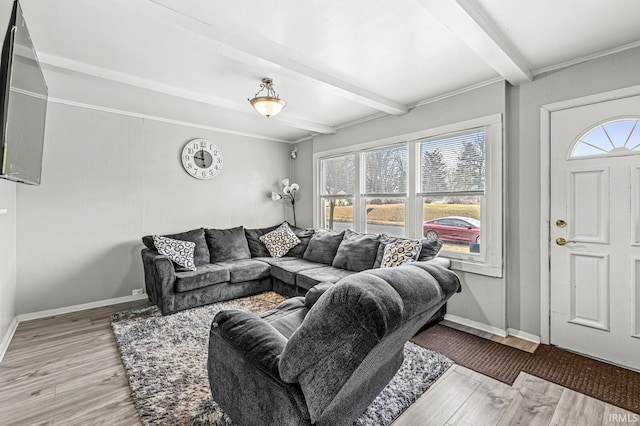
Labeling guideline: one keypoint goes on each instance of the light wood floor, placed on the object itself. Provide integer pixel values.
(66, 370)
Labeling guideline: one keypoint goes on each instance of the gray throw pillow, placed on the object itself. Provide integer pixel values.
(227, 244)
(323, 246)
(196, 236)
(304, 235)
(356, 252)
(430, 249)
(256, 247)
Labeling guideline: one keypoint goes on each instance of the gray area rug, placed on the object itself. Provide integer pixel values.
(166, 363)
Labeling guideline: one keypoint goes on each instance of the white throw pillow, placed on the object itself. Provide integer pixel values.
(280, 240)
(181, 252)
(399, 252)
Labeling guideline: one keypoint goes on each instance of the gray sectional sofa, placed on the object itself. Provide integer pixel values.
(232, 263)
(323, 358)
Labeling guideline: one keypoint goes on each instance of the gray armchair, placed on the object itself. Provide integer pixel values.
(323, 359)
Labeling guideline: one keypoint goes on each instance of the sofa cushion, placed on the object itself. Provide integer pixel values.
(304, 235)
(203, 276)
(314, 293)
(356, 252)
(280, 240)
(256, 247)
(430, 249)
(227, 244)
(309, 278)
(323, 246)
(245, 270)
(286, 271)
(400, 252)
(274, 260)
(196, 236)
(287, 316)
(180, 252)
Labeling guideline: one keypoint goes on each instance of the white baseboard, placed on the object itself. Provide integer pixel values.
(81, 307)
(4, 345)
(477, 325)
(523, 335)
(493, 330)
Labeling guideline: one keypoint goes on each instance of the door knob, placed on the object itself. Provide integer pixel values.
(561, 241)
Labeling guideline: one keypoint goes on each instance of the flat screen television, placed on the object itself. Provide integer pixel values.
(23, 104)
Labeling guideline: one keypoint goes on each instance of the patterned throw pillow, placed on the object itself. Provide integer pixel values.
(181, 252)
(399, 252)
(280, 240)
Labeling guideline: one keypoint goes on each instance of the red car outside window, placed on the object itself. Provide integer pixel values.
(453, 228)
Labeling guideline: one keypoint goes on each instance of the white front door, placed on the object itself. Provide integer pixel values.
(595, 208)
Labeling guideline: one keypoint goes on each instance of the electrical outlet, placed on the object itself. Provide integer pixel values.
(137, 291)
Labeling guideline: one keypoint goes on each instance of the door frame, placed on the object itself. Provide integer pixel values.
(545, 191)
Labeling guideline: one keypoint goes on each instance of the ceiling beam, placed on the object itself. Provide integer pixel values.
(243, 45)
(477, 31)
(108, 74)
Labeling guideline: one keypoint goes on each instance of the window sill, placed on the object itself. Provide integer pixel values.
(475, 268)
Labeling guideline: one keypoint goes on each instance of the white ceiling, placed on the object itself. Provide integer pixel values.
(334, 62)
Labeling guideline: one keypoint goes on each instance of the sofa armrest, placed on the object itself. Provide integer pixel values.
(159, 277)
(442, 261)
(255, 339)
(315, 292)
(164, 266)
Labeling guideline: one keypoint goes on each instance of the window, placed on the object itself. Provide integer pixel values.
(618, 137)
(452, 188)
(337, 191)
(385, 190)
(444, 182)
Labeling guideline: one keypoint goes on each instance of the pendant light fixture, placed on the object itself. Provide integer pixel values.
(270, 104)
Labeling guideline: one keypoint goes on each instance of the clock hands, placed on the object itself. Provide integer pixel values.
(202, 162)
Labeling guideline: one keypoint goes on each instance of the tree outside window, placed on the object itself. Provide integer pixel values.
(453, 187)
(337, 191)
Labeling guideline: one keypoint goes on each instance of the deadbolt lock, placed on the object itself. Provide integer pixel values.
(561, 223)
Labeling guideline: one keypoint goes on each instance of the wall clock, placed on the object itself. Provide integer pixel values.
(202, 159)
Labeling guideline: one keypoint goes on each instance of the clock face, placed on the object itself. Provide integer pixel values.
(202, 159)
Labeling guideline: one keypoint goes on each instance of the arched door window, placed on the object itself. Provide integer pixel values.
(613, 138)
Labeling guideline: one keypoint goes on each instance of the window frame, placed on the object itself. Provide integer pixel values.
(490, 261)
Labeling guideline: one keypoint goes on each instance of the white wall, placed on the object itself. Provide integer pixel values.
(482, 298)
(109, 179)
(601, 75)
(7, 255)
(302, 173)
(7, 228)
